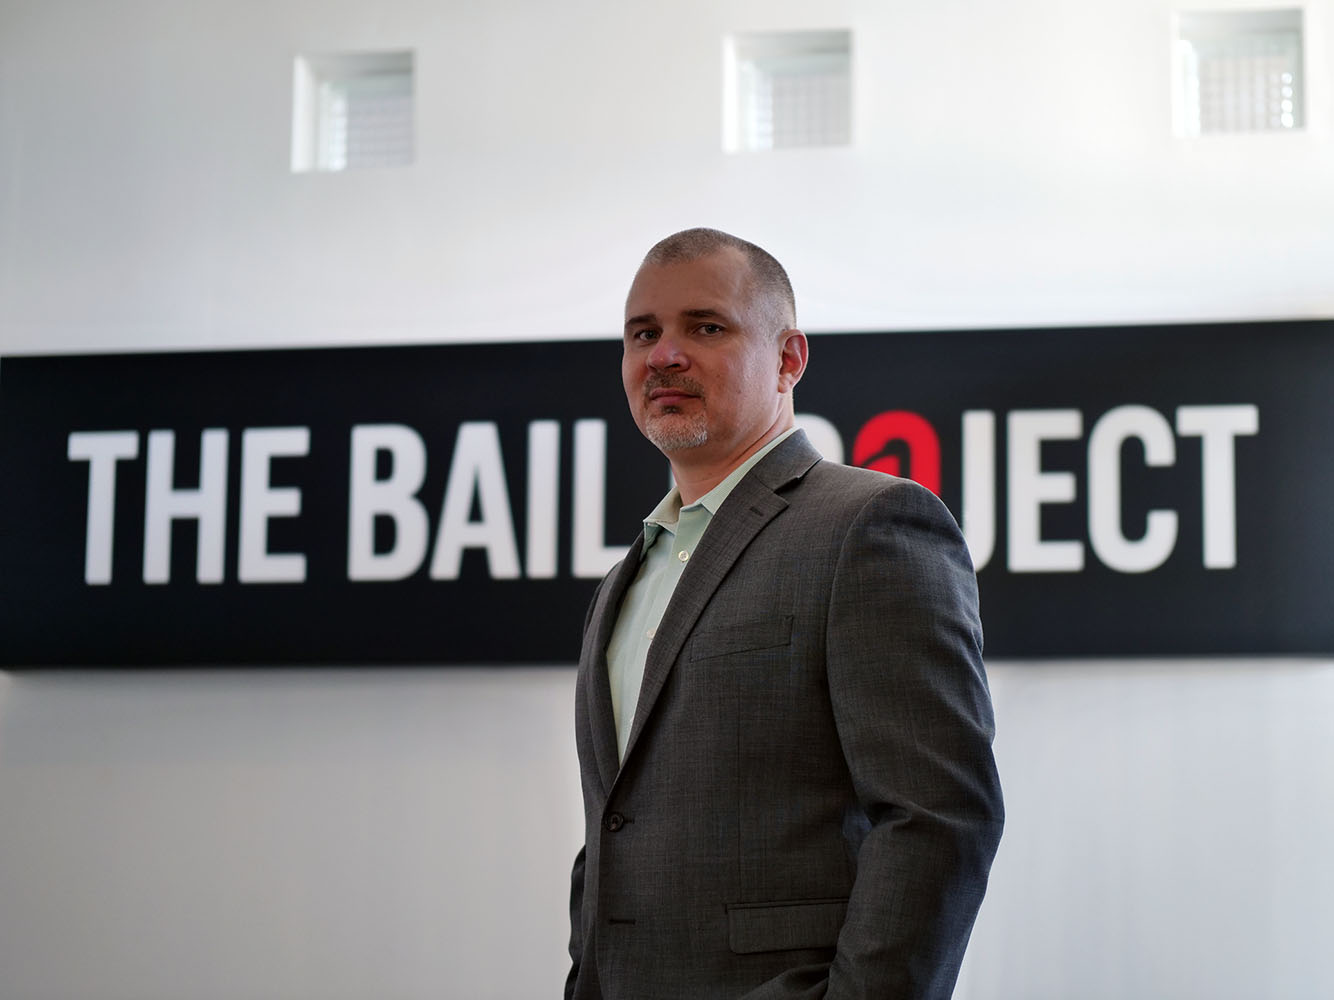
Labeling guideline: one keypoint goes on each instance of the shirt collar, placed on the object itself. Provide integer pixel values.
(667, 514)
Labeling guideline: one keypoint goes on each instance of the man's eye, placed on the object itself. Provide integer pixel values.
(711, 328)
(645, 334)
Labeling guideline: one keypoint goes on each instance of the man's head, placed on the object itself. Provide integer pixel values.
(711, 352)
(769, 279)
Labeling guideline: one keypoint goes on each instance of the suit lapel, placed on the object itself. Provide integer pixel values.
(603, 718)
(750, 506)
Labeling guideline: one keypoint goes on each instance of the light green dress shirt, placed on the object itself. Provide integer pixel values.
(671, 533)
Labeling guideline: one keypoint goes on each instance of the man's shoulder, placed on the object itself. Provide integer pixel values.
(795, 460)
(828, 492)
(853, 481)
(841, 493)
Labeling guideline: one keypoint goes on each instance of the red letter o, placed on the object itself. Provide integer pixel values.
(918, 438)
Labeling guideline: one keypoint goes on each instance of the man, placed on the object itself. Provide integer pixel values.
(782, 718)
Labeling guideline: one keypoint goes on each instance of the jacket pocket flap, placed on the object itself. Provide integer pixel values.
(814, 923)
(763, 633)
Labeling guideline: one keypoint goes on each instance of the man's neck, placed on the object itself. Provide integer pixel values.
(695, 479)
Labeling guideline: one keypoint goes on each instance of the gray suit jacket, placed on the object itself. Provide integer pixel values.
(808, 804)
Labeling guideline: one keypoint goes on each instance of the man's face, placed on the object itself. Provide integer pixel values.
(703, 360)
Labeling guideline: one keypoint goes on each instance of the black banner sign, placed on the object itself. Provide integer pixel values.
(1125, 491)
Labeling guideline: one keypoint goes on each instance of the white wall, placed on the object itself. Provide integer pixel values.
(1167, 836)
(386, 833)
(286, 834)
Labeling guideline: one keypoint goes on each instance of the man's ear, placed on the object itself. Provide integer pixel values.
(791, 359)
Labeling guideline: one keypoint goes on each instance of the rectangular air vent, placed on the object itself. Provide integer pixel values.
(785, 89)
(1239, 71)
(352, 110)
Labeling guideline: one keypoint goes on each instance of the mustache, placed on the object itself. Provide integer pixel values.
(664, 381)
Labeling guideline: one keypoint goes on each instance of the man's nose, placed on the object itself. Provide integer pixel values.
(667, 353)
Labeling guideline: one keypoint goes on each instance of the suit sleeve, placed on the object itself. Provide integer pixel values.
(577, 871)
(914, 718)
(576, 922)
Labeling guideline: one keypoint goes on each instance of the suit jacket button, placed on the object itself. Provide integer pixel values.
(615, 821)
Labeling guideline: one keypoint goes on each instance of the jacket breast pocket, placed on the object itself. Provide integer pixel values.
(787, 926)
(743, 637)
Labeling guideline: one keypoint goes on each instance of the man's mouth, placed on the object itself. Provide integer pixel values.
(672, 393)
(670, 396)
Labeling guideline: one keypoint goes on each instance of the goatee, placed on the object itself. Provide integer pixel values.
(673, 430)
(677, 431)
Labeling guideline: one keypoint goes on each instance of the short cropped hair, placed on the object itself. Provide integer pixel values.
(770, 279)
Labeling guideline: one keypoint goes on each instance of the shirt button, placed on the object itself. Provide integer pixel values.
(650, 633)
(684, 556)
